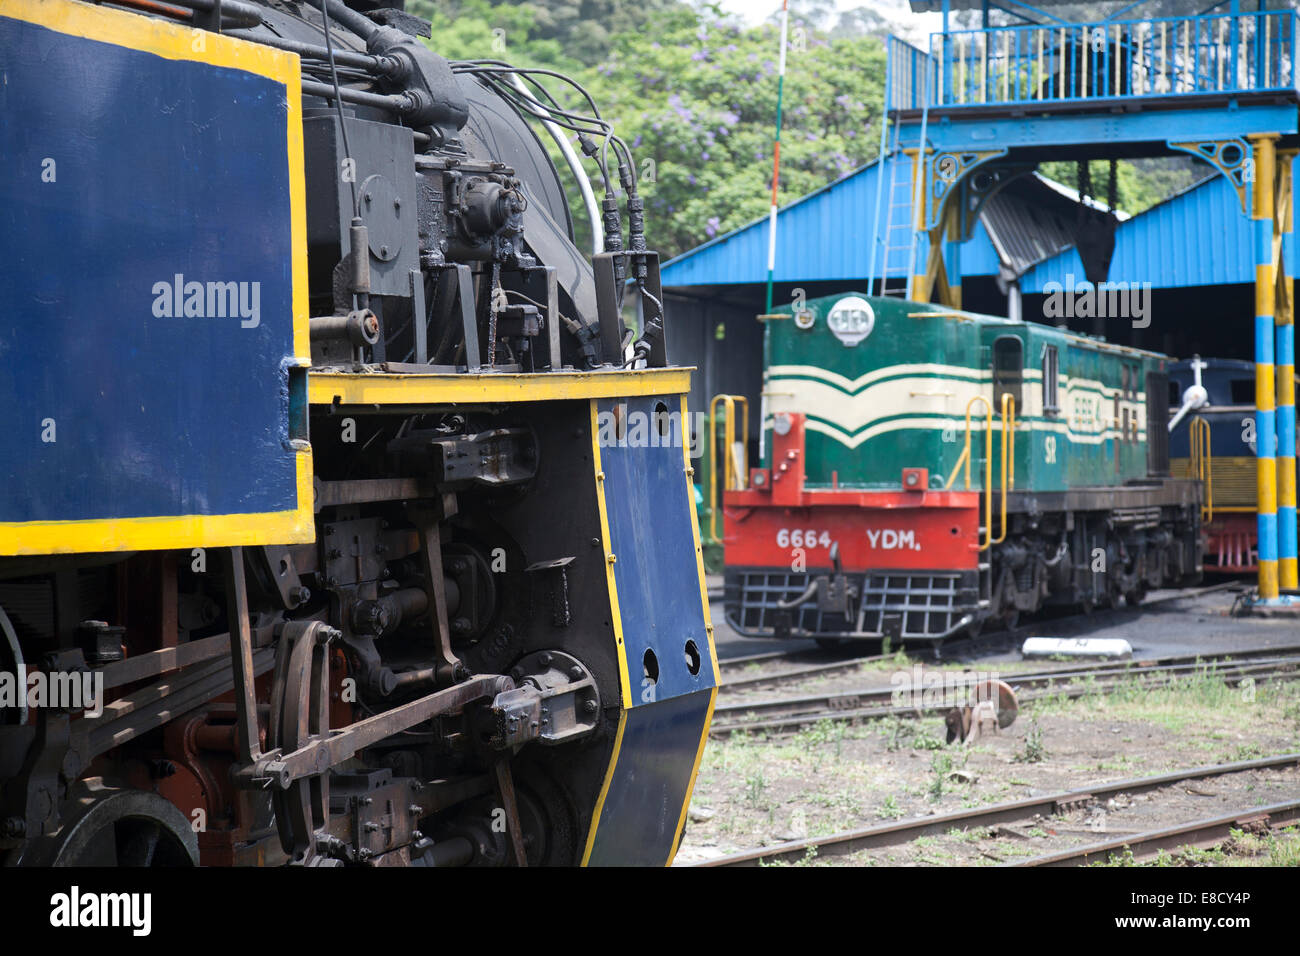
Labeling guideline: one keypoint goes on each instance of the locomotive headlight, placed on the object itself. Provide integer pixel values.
(781, 424)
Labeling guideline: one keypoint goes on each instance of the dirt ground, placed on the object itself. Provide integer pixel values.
(754, 790)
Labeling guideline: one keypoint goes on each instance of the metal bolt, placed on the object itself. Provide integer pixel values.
(14, 827)
(545, 659)
(371, 827)
(575, 672)
(590, 707)
(415, 809)
(299, 594)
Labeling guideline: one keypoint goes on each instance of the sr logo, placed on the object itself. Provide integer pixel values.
(851, 319)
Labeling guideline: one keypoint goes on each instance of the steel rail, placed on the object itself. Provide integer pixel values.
(846, 707)
(893, 834)
(1199, 833)
(818, 670)
(1037, 628)
(960, 680)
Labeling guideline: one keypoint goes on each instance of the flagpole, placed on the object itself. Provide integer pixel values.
(776, 155)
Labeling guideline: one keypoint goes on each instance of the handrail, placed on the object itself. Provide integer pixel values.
(1202, 463)
(1008, 458)
(1008, 462)
(1107, 59)
(729, 438)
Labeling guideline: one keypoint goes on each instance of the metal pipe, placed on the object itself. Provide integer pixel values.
(381, 65)
(242, 14)
(358, 24)
(397, 103)
(570, 157)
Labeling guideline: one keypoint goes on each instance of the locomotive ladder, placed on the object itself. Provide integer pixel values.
(906, 185)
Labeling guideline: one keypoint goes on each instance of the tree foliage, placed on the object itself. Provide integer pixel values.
(694, 92)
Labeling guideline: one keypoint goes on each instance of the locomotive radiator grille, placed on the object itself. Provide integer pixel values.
(915, 604)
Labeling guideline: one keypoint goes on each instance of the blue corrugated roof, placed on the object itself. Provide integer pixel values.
(1197, 237)
(823, 236)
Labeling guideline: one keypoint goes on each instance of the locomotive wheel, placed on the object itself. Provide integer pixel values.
(120, 828)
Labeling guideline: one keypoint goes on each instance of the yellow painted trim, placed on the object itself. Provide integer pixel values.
(169, 40)
(616, 619)
(1265, 389)
(1266, 486)
(345, 388)
(1286, 482)
(695, 769)
(1288, 573)
(604, 788)
(1268, 580)
(1265, 302)
(708, 629)
(166, 533)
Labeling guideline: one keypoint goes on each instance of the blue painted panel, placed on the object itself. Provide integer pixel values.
(656, 571)
(638, 820)
(160, 168)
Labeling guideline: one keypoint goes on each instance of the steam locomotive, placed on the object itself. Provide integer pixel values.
(311, 551)
(927, 472)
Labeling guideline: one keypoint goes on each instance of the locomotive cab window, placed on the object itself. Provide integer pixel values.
(1051, 379)
(1008, 371)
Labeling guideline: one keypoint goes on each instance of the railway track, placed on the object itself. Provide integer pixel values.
(778, 714)
(736, 670)
(1196, 833)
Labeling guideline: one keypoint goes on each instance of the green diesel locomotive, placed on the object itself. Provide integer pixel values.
(926, 471)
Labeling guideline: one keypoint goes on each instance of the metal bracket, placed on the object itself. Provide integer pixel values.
(1234, 158)
(944, 172)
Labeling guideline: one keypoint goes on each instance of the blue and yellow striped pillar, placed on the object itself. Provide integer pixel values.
(1284, 308)
(1265, 414)
(952, 250)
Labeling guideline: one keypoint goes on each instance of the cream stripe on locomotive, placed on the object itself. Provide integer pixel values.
(937, 400)
(960, 372)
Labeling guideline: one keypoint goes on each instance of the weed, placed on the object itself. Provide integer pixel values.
(890, 810)
(1034, 751)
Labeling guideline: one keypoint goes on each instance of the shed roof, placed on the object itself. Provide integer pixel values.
(1197, 237)
(826, 235)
